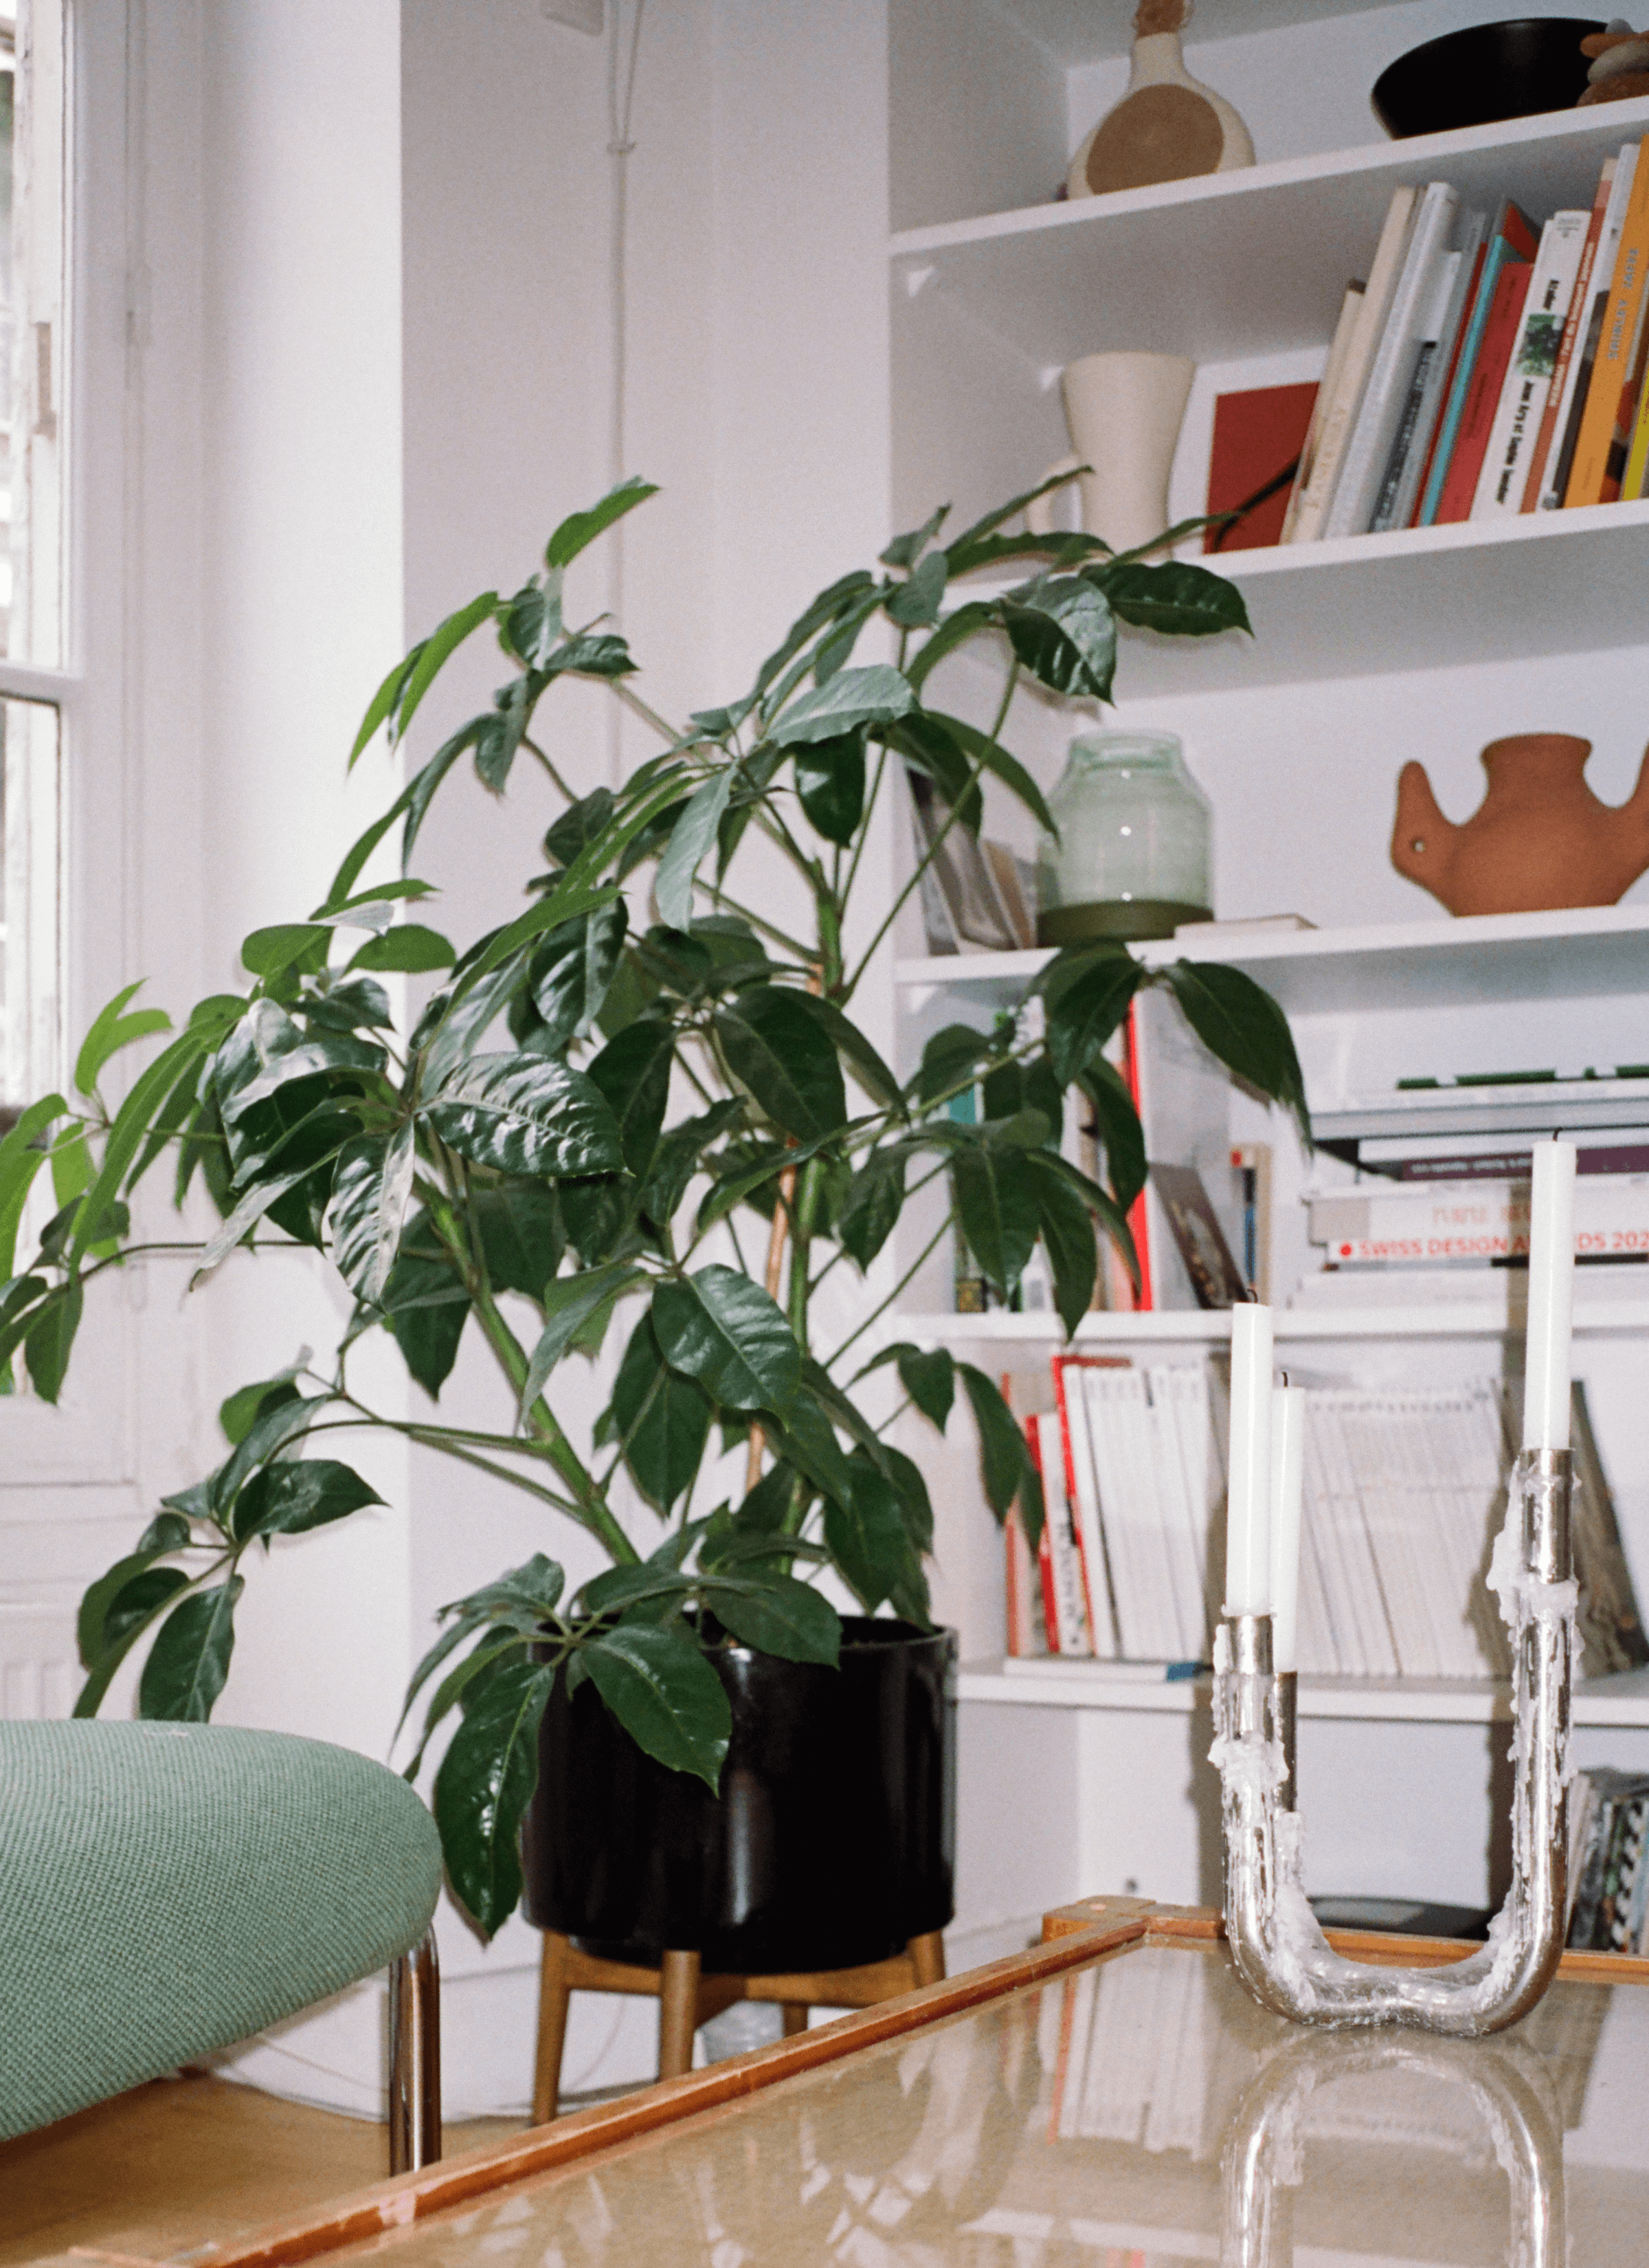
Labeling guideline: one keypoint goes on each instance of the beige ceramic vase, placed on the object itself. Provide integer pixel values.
(1169, 126)
(1539, 839)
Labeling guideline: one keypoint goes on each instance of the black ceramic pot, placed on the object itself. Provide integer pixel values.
(1484, 74)
(833, 1840)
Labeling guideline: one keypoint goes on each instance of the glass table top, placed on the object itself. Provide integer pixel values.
(1138, 2112)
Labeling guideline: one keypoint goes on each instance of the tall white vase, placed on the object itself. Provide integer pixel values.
(1124, 412)
(1169, 126)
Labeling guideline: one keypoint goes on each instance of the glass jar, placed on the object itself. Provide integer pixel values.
(1132, 856)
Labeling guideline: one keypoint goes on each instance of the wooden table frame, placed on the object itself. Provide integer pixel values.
(1072, 1936)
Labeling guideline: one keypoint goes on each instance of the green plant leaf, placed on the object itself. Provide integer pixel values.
(690, 840)
(872, 695)
(568, 1303)
(1004, 1456)
(1088, 993)
(661, 1419)
(111, 1030)
(954, 631)
(190, 1659)
(384, 701)
(370, 1185)
(633, 1072)
(948, 1057)
(830, 783)
(1062, 628)
(1176, 599)
(933, 750)
(574, 968)
(725, 1331)
(581, 528)
(930, 1379)
(996, 1209)
(1245, 1028)
(290, 1499)
(959, 546)
(260, 1199)
(522, 1114)
(666, 1696)
(238, 1412)
(975, 746)
(50, 1337)
(850, 1044)
(1118, 1129)
(816, 615)
(432, 654)
(807, 1442)
(268, 952)
(780, 1052)
(484, 1785)
(905, 551)
(425, 1305)
(866, 1535)
(1068, 1238)
(267, 1051)
(915, 604)
(778, 1614)
(521, 1236)
(676, 1159)
(19, 1162)
(131, 1123)
(731, 1188)
(103, 1598)
(408, 947)
(874, 1198)
(912, 1491)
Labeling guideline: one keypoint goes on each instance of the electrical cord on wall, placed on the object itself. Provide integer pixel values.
(623, 49)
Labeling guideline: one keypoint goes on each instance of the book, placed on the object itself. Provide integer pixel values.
(1339, 347)
(1392, 365)
(1608, 1621)
(1252, 1163)
(1568, 433)
(1419, 1222)
(1491, 1157)
(1533, 358)
(965, 906)
(1183, 1097)
(1082, 1495)
(1477, 423)
(1554, 418)
(1511, 236)
(1026, 1618)
(1409, 443)
(1616, 347)
(1259, 435)
(1214, 1277)
(1064, 1600)
(1340, 415)
(1635, 479)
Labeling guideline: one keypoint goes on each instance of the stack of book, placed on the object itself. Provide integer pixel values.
(1608, 1861)
(1489, 364)
(1405, 1492)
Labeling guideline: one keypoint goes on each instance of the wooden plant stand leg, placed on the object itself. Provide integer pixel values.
(555, 1991)
(927, 1958)
(678, 2012)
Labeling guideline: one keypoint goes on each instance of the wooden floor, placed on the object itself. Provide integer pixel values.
(184, 2164)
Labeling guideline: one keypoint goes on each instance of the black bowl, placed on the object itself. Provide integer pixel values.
(1486, 73)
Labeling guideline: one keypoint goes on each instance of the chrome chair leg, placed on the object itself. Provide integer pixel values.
(415, 2058)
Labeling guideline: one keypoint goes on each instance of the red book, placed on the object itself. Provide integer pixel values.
(1136, 1217)
(1050, 1592)
(1471, 443)
(1257, 436)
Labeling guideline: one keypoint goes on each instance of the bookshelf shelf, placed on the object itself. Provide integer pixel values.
(1050, 1683)
(1167, 1327)
(1076, 32)
(1585, 953)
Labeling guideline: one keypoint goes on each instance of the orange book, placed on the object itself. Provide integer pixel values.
(1616, 349)
(1471, 443)
(1580, 306)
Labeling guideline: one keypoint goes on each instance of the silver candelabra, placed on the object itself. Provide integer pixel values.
(1279, 1949)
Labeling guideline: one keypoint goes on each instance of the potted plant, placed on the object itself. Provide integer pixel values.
(664, 1126)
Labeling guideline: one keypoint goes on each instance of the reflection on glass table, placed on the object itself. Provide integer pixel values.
(1137, 2111)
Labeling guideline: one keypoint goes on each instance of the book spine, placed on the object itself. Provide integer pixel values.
(1635, 479)
(1554, 418)
(1616, 345)
(1470, 286)
(1071, 1605)
(1082, 1495)
(1471, 443)
(1026, 1626)
(1529, 371)
(1568, 434)
(1339, 347)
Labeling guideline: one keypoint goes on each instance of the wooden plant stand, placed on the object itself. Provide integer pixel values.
(686, 1999)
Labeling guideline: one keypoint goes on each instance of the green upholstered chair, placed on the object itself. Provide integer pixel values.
(167, 1890)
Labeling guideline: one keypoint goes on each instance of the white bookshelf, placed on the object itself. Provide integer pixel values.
(1366, 650)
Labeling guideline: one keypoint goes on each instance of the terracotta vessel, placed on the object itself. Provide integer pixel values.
(1539, 839)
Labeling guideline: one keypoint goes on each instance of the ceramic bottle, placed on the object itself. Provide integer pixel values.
(1539, 839)
(1168, 125)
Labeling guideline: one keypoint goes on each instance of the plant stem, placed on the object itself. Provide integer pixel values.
(532, 747)
(869, 806)
(882, 1306)
(633, 700)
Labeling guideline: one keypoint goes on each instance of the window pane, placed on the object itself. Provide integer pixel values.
(34, 243)
(30, 901)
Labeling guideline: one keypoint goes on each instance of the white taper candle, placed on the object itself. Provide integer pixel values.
(1551, 1297)
(1248, 1500)
(1288, 1487)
